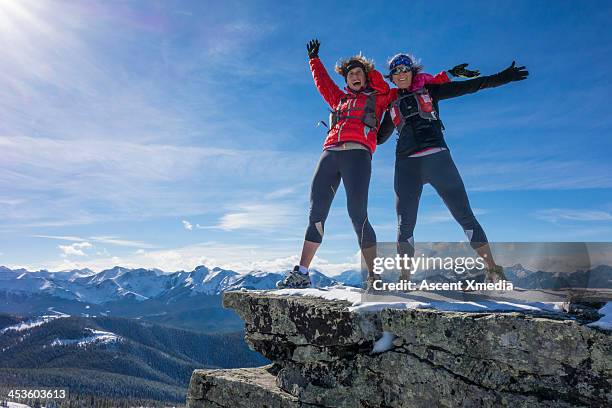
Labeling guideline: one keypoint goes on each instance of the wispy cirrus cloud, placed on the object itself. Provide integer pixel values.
(104, 180)
(241, 258)
(61, 237)
(512, 174)
(102, 142)
(101, 239)
(582, 215)
(263, 217)
(121, 242)
(285, 191)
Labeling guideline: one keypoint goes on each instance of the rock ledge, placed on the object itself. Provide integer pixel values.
(321, 358)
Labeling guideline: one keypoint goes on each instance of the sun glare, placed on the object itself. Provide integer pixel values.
(19, 19)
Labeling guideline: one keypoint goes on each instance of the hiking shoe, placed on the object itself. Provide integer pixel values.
(294, 280)
(495, 274)
(368, 284)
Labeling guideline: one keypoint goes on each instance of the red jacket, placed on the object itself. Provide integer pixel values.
(351, 128)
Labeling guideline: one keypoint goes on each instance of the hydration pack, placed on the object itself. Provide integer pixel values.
(424, 108)
(367, 114)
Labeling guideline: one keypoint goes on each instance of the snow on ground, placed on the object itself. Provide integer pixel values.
(385, 343)
(364, 307)
(338, 292)
(605, 322)
(14, 405)
(32, 323)
(97, 337)
(355, 297)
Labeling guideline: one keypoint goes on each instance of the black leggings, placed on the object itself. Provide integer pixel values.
(439, 170)
(354, 168)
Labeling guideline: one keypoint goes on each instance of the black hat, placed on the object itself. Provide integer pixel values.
(352, 64)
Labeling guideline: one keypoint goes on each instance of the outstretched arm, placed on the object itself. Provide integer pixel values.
(439, 78)
(461, 71)
(325, 85)
(458, 71)
(459, 88)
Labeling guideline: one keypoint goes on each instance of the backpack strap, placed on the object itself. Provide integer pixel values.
(367, 114)
(423, 104)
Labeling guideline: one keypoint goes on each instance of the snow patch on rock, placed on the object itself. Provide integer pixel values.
(605, 322)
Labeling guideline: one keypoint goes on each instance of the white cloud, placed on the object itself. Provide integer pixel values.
(101, 130)
(122, 242)
(558, 214)
(74, 249)
(283, 192)
(262, 217)
(61, 237)
(442, 216)
(287, 263)
(101, 239)
(130, 180)
(239, 257)
(187, 225)
(504, 173)
(435, 217)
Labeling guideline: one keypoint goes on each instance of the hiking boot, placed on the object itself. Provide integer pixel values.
(495, 274)
(294, 280)
(368, 283)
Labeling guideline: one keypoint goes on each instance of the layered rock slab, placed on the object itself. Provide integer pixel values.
(320, 351)
(239, 387)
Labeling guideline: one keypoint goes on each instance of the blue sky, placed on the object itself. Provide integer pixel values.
(174, 133)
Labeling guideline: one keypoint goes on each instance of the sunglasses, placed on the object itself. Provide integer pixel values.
(400, 70)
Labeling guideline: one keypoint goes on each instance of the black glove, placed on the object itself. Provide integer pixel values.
(313, 48)
(513, 73)
(460, 71)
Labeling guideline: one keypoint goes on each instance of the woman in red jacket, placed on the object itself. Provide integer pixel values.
(347, 155)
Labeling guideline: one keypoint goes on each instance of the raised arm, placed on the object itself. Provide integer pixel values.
(325, 85)
(377, 82)
(439, 78)
(385, 94)
(421, 79)
(461, 71)
(459, 88)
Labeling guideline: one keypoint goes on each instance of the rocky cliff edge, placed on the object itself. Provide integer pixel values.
(321, 354)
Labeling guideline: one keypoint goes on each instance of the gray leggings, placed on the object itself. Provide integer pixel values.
(353, 167)
(439, 170)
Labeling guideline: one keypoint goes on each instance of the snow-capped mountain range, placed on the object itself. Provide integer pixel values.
(118, 283)
(140, 284)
